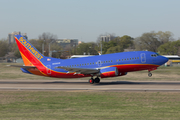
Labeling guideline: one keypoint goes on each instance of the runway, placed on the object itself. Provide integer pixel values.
(83, 85)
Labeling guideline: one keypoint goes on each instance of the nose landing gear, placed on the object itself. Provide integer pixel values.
(149, 74)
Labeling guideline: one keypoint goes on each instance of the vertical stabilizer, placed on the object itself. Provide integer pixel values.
(30, 55)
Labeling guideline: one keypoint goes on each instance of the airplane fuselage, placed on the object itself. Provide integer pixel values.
(124, 61)
(108, 65)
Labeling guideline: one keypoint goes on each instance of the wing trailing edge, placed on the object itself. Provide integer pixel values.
(80, 70)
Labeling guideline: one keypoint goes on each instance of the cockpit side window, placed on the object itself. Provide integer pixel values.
(152, 55)
(155, 55)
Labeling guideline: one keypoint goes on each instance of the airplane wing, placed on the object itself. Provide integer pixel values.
(21, 66)
(80, 70)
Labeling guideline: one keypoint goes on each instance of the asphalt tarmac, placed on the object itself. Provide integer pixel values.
(83, 85)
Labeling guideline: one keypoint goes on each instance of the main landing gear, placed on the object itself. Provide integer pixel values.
(149, 74)
(96, 80)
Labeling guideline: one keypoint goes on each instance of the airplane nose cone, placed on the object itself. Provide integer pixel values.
(165, 59)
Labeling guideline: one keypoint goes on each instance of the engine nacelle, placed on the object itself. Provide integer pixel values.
(109, 72)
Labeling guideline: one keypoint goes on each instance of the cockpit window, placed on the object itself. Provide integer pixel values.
(155, 55)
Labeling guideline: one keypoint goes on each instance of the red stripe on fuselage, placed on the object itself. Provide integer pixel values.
(134, 67)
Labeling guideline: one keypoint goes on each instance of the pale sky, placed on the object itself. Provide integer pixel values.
(87, 19)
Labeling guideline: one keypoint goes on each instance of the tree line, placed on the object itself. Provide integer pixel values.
(161, 42)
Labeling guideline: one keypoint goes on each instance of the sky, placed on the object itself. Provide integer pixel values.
(87, 19)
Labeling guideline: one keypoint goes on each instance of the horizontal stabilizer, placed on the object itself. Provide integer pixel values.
(21, 66)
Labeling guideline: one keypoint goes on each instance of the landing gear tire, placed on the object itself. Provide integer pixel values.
(91, 81)
(149, 74)
(97, 80)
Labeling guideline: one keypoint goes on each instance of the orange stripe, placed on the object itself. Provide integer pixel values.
(36, 71)
(26, 61)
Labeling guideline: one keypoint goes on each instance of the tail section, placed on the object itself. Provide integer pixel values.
(30, 55)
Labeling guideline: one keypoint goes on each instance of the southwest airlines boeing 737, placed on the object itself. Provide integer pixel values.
(109, 65)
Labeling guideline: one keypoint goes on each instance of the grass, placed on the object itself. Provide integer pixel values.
(41, 105)
(162, 73)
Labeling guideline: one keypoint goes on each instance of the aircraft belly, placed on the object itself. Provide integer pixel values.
(135, 67)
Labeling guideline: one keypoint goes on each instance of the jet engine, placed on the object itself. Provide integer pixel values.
(109, 72)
